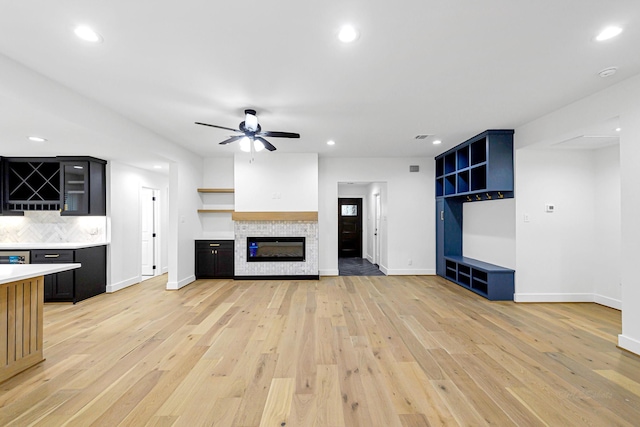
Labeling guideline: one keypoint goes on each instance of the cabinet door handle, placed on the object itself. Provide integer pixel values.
(215, 245)
(441, 215)
(52, 255)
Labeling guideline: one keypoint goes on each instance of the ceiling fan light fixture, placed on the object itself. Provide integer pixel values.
(250, 120)
(245, 144)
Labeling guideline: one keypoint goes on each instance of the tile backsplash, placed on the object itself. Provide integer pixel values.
(50, 227)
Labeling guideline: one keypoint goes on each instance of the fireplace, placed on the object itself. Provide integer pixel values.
(267, 249)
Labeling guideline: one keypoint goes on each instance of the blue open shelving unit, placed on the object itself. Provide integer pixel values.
(480, 168)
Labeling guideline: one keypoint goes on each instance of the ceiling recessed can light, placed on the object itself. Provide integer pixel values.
(157, 167)
(348, 34)
(331, 142)
(608, 72)
(608, 33)
(436, 142)
(36, 139)
(87, 34)
(618, 129)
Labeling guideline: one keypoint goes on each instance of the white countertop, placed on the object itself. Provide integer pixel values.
(59, 245)
(14, 272)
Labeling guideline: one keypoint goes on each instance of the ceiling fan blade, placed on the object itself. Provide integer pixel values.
(232, 139)
(274, 134)
(219, 127)
(266, 143)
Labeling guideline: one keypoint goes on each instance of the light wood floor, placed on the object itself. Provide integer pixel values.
(342, 351)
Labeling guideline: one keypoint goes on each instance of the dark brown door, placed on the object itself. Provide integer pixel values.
(349, 228)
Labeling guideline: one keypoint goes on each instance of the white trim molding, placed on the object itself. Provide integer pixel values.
(629, 344)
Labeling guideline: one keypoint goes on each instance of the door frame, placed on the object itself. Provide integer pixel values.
(362, 224)
(155, 221)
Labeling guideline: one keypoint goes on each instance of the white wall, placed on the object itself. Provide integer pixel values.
(555, 251)
(276, 182)
(217, 173)
(123, 198)
(607, 265)
(184, 223)
(408, 213)
(623, 101)
(489, 231)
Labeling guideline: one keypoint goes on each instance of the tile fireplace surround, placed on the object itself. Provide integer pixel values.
(307, 229)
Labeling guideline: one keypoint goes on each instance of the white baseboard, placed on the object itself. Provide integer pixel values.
(403, 272)
(519, 297)
(114, 287)
(608, 302)
(328, 272)
(629, 344)
(173, 286)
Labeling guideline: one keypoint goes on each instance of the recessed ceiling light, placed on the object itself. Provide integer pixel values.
(87, 34)
(36, 139)
(608, 33)
(618, 129)
(608, 72)
(348, 34)
(436, 142)
(331, 142)
(157, 167)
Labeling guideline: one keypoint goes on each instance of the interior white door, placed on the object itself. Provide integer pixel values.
(376, 232)
(147, 212)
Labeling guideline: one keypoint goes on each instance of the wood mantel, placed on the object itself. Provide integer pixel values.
(275, 216)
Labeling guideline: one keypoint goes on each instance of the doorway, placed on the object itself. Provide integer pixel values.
(349, 228)
(149, 220)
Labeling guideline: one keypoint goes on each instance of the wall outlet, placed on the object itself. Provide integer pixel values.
(526, 217)
(549, 207)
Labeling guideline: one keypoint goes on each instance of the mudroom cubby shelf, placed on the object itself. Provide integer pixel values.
(479, 169)
(484, 163)
(491, 281)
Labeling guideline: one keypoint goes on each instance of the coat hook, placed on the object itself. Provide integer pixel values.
(468, 199)
(478, 197)
(500, 195)
(488, 196)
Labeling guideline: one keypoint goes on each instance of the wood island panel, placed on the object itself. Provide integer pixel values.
(21, 325)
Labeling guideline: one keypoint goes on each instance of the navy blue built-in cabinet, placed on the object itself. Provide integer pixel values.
(480, 168)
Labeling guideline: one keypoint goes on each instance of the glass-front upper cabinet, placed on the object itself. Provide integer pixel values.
(83, 186)
(75, 185)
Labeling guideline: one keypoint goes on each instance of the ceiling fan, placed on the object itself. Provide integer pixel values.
(252, 131)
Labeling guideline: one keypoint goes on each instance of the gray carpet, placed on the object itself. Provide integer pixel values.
(357, 267)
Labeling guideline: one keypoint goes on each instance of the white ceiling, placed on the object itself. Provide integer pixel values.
(449, 68)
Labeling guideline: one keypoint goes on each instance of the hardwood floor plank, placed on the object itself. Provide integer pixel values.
(278, 406)
(338, 352)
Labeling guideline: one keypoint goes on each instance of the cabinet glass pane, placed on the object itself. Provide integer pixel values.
(349, 210)
(75, 186)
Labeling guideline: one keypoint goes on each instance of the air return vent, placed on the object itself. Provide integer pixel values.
(414, 168)
(425, 136)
